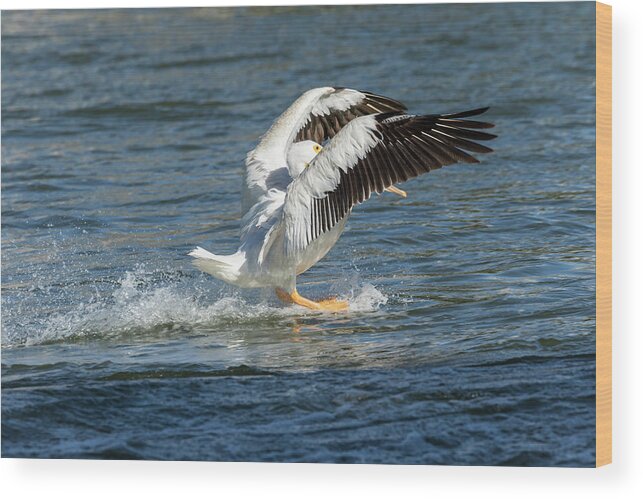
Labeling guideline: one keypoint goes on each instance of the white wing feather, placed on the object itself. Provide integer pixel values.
(352, 143)
(266, 164)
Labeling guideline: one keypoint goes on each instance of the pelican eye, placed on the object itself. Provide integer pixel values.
(317, 148)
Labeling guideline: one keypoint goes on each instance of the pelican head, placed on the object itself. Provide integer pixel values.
(300, 155)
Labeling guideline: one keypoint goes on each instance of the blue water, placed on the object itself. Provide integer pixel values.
(470, 335)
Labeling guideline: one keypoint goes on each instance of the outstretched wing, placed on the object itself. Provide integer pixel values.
(370, 154)
(317, 115)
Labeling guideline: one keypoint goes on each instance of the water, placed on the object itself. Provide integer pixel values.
(470, 335)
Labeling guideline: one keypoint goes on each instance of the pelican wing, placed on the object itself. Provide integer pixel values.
(316, 115)
(368, 155)
(335, 108)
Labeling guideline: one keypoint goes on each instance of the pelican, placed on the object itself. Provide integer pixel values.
(329, 151)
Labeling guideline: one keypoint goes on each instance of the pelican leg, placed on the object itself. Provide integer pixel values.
(332, 304)
(395, 190)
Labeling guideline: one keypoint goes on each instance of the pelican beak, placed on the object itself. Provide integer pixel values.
(395, 190)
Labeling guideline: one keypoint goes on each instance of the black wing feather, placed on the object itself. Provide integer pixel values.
(407, 147)
(321, 128)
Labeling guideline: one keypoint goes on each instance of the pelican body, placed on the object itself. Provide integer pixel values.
(298, 194)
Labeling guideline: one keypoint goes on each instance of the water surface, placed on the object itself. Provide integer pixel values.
(470, 335)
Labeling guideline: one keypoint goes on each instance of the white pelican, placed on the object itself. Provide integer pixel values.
(297, 195)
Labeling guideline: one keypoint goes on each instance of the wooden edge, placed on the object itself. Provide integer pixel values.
(603, 234)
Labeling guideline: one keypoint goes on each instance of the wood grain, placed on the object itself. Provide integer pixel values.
(603, 234)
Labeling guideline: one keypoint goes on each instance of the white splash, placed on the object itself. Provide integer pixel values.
(139, 304)
(367, 299)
